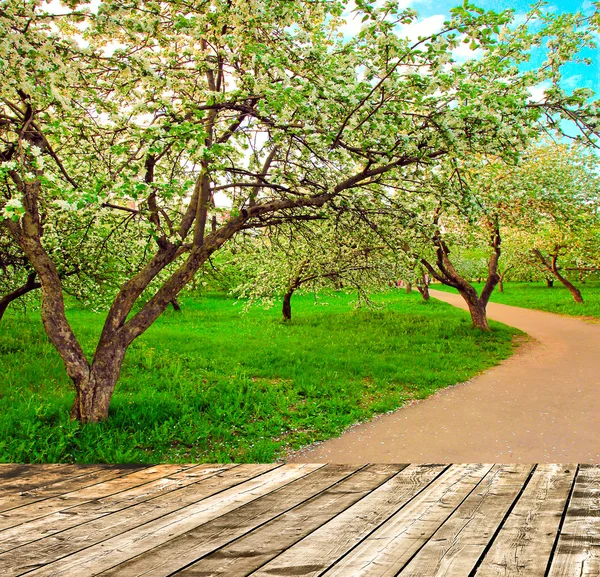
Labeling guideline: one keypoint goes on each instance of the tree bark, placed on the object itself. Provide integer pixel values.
(477, 310)
(423, 286)
(408, 287)
(501, 279)
(552, 266)
(94, 391)
(175, 304)
(575, 292)
(549, 282)
(30, 284)
(286, 310)
(424, 290)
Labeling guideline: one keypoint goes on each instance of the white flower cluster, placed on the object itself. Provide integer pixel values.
(13, 209)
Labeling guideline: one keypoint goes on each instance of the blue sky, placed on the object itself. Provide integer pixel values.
(433, 13)
(575, 76)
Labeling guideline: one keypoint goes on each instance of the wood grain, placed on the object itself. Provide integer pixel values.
(25, 506)
(272, 520)
(578, 549)
(59, 514)
(385, 551)
(275, 537)
(112, 524)
(195, 544)
(322, 548)
(457, 545)
(525, 543)
(42, 478)
(164, 526)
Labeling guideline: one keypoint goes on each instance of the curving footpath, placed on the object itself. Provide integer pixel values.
(540, 405)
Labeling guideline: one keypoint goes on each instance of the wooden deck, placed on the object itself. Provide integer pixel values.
(291, 520)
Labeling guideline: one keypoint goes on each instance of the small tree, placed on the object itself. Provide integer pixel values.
(333, 253)
(555, 214)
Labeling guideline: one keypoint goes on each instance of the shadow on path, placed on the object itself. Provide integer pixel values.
(541, 405)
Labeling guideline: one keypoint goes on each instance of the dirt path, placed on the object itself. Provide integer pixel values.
(541, 405)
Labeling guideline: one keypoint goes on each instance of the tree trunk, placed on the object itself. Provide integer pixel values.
(549, 282)
(551, 265)
(424, 290)
(477, 310)
(408, 287)
(287, 305)
(94, 391)
(501, 278)
(175, 305)
(575, 292)
(449, 276)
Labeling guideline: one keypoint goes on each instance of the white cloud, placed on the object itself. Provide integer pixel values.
(537, 91)
(422, 27)
(463, 52)
(575, 81)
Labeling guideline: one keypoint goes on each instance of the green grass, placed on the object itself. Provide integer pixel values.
(214, 385)
(538, 296)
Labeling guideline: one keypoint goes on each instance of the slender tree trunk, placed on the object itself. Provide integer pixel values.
(552, 267)
(29, 285)
(408, 287)
(423, 286)
(549, 282)
(175, 305)
(575, 292)
(501, 279)
(287, 305)
(424, 290)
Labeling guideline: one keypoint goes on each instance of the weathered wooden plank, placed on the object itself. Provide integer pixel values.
(385, 551)
(457, 545)
(355, 506)
(10, 471)
(82, 536)
(524, 545)
(578, 549)
(187, 548)
(17, 471)
(37, 496)
(35, 477)
(93, 502)
(118, 548)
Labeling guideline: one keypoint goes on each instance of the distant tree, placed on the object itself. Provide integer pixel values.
(555, 212)
(335, 253)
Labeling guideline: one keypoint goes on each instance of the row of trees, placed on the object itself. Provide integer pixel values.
(345, 160)
(459, 223)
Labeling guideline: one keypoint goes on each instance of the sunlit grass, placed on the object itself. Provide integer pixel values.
(214, 384)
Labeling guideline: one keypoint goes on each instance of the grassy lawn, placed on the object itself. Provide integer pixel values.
(539, 296)
(212, 384)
